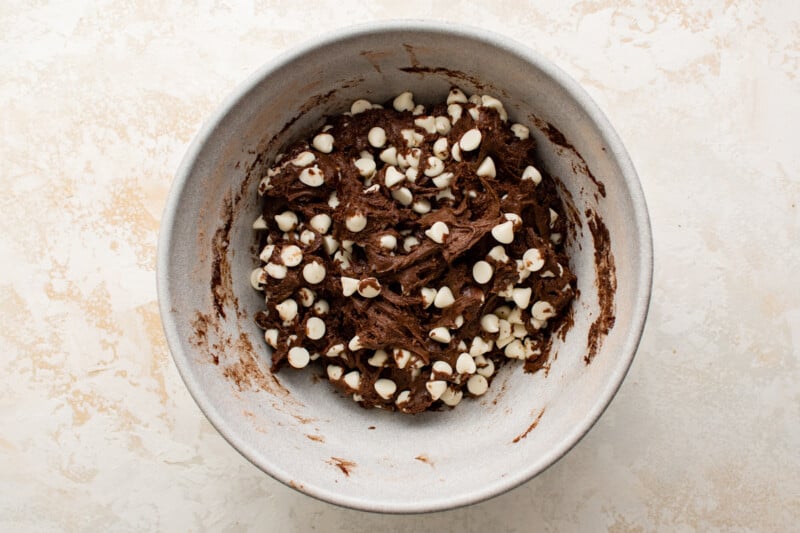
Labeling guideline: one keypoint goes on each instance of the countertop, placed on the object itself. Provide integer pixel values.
(98, 102)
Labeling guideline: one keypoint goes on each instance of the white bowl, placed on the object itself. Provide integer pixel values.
(293, 425)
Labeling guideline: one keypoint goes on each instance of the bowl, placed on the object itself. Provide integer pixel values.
(292, 425)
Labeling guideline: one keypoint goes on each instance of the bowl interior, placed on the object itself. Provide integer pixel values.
(293, 425)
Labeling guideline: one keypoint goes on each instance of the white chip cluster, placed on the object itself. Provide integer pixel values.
(318, 250)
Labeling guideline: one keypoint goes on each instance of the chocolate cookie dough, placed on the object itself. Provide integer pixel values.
(410, 251)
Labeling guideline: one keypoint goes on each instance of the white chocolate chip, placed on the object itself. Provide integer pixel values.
(276, 271)
(487, 370)
(333, 200)
(356, 222)
(480, 346)
(440, 334)
(426, 123)
(505, 328)
(442, 125)
(520, 131)
(459, 321)
(258, 278)
(475, 99)
(377, 137)
(493, 103)
(388, 242)
(306, 296)
(421, 206)
(409, 243)
(443, 181)
(313, 176)
(393, 176)
(404, 101)
(315, 328)
(353, 379)
(428, 296)
(519, 331)
(403, 195)
(515, 350)
(486, 168)
(412, 174)
(355, 344)
(287, 221)
(359, 106)
(298, 357)
(323, 143)
(335, 351)
(474, 112)
(271, 336)
(378, 359)
(287, 310)
(530, 173)
(314, 272)
(504, 311)
(335, 372)
(465, 364)
(412, 158)
(349, 286)
(498, 253)
(553, 217)
(436, 388)
(502, 342)
(401, 357)
(438, 232)
(330, 244)
(515, 218)
(291, 255)
(321, 223)
(521, 296)
(504, 233)
(369, 287)
(445, 194)
(470, 140)
(412, 138)
(455, 152)
(440, 148)
(532, 260)
(260, 223)
(542, 310)
(444, 298)
(482, 272)
(456, 96)
(442, 367)
(366, 167)
(451, 397)
(389, 156)
(419, 109)
(454, 111)
(434, 168)
(555, 238)
(385, 388)
(321, 307)
(477, 385)
(402, 398)
(307, 237)
(490, 323)
(303, 159)
(515, 316)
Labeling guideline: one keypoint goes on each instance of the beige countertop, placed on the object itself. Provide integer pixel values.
(98, 102)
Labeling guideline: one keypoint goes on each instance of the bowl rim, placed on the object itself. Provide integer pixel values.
(639, 215)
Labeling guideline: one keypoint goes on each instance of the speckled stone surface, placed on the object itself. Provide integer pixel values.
(99, 101)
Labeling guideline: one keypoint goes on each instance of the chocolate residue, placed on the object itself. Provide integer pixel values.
(452, 74)
(315, 438)
(374, 58)
(342, 464)
(412, 56)
(530, 428)
(296, 485)
(557, 138)
(221, 281)
(606, 285)
(424, 459)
